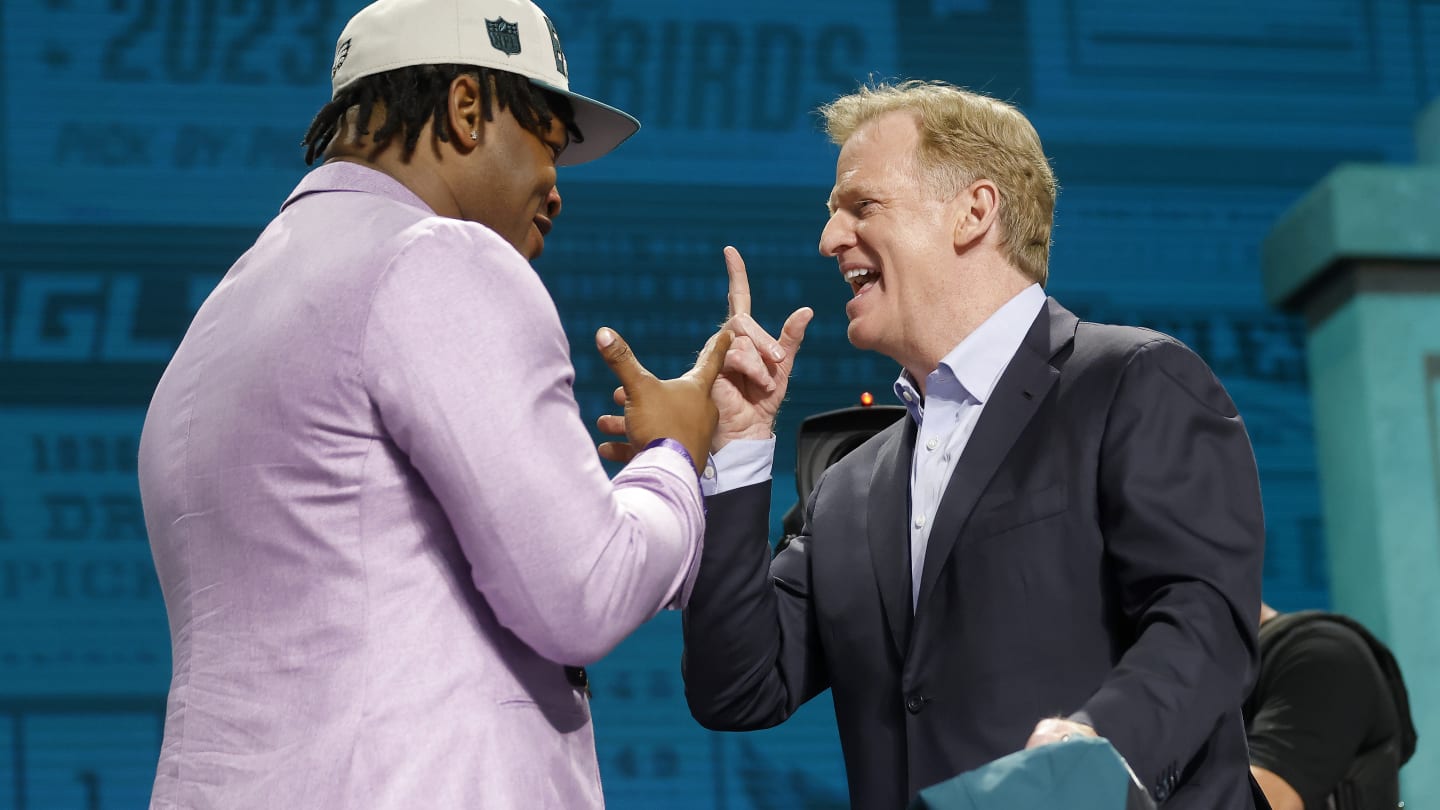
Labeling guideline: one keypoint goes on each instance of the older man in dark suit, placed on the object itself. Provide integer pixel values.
(1065, 536)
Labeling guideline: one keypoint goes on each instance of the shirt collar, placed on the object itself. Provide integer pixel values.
(343, 175)
(979, 360)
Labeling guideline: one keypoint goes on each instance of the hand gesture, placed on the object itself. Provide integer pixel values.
(749, 391)
(679, 409)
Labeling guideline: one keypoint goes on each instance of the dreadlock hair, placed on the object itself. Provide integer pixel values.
(415, 95)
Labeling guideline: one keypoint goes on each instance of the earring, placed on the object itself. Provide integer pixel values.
(474, 134)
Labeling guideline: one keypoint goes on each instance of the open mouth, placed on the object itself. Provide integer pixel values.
(861, 278)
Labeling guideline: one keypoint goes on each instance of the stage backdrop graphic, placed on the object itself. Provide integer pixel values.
(145, 142)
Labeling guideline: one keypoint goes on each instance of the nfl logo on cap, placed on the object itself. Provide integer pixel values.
(505, 36)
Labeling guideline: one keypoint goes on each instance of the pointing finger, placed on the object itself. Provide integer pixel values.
(739, 297)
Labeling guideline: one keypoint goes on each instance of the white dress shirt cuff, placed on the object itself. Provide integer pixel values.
(738, 464)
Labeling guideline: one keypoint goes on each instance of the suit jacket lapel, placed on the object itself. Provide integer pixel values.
(889, 501)
(1017, 395)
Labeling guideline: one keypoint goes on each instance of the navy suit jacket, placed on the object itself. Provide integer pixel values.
(1096, 555)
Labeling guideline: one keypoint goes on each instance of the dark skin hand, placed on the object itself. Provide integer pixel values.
(749, 390)
(679, 409)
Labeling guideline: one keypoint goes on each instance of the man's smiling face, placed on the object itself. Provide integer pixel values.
(893, 239)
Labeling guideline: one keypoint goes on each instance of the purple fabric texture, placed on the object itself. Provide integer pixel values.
(381, 526)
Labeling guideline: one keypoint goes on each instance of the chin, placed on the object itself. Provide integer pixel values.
(869, 341)
(534, 244)
(859, 338)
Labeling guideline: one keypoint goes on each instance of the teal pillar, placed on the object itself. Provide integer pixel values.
(1359, 257)
(1427, 135)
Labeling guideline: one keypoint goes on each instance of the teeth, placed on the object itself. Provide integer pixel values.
(851, 275)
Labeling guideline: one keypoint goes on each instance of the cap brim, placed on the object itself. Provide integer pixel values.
(602, 126)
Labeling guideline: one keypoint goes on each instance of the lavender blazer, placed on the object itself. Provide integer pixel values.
(381, 527)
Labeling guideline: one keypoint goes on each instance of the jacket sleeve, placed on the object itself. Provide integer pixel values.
(752, 654)
(1184, 533)
(469, 371)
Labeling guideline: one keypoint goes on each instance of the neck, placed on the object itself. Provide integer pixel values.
(418, 172)
(958, 314)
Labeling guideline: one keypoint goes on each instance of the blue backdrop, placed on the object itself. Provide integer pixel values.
(145, 142)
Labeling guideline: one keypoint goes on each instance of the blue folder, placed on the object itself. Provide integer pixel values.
(1085, 773)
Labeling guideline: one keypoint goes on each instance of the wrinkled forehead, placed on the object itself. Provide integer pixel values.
(848, 183)
(875, 158)
(888, 142)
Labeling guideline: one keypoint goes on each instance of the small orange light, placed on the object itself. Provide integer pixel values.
(866, 400)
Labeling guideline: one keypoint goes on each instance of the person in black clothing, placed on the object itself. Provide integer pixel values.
(1328, 721)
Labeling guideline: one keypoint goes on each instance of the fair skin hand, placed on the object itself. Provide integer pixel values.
(756, 373)
(1057, 729)
(749, 391)
(679, 409)
(1277, 791)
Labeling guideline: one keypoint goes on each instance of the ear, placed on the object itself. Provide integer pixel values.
(978, 212)
(466, 114)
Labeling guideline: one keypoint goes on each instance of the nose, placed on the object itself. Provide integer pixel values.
(552, 202)
(837, 235)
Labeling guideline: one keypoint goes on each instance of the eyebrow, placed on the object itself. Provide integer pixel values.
(845, 187)
(564, 134)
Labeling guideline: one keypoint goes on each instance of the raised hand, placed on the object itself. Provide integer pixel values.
(756, 375)
(679, 409)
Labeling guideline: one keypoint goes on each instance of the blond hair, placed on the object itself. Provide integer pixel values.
(964, 137)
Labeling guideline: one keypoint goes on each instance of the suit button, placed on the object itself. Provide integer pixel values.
(578, 679)
(914, 704)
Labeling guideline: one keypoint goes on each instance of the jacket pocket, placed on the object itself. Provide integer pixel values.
(1007, 511)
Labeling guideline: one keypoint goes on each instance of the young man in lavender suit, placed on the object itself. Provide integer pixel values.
(385, 539)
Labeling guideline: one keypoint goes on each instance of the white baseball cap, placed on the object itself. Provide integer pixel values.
(509, 35)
